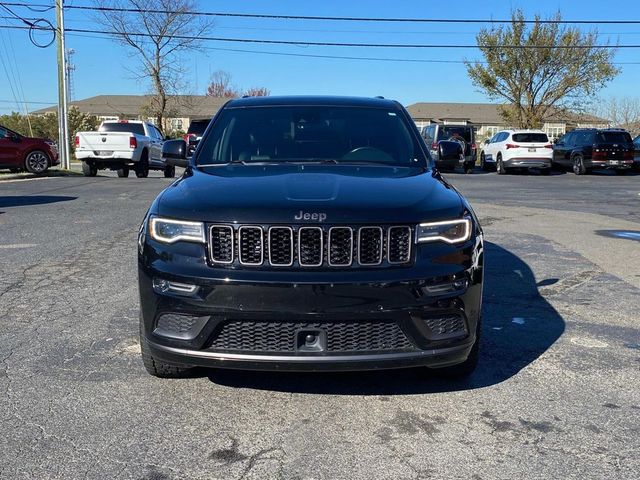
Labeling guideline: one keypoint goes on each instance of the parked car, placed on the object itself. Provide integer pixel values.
(310, 233)
(587, 149)
(636, 153)
(18, 152)
(517, 149)
(464, 134)
(122, 145)
(194, 134)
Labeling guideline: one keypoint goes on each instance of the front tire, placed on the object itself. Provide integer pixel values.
(123, 172)
(169, 171)
(37, 162)
(483, 163)
(468, 168)
(500, 166)
(157, 368)
(465, 368)
(89, 169)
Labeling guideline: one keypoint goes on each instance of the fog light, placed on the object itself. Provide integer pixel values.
(166, 286)
(455, 286)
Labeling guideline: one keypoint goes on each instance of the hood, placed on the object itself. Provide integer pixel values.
(287, 193)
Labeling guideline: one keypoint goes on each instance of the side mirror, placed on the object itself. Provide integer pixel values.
(487, 141)
(450, 151)
(174, 153)
(16, 138)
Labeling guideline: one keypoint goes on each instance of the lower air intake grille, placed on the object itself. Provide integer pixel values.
(446, 326)
(342, 336)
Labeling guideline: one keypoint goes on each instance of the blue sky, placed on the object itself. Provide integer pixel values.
(102, 66)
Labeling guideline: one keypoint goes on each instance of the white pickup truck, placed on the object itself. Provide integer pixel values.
(122, 145)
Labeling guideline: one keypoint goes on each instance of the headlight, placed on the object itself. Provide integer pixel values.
(451, 231)
(166, 230)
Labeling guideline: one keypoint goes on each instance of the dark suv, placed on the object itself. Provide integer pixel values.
(587, 149)
(18, 152)
(309, 233)
(464, 134)
(194, 134)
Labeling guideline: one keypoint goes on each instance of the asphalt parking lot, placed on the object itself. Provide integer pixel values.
(556, 394)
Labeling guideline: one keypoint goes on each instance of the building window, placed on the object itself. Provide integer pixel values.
(176, 124)
(554, 131)
(490, 131)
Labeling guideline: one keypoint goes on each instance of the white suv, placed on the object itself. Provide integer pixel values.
(518, 149)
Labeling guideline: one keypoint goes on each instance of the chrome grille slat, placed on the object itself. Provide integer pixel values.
(221, 244)
(398, 244)
(340, 247)
(310, 246)
(370, 246)
(250, 245)
(337, 246)
(280, 248)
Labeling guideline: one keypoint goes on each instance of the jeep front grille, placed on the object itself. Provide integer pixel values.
(310, 246)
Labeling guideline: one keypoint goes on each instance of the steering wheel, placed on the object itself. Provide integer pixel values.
(368, 153)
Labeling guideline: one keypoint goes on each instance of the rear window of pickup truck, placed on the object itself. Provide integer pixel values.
(136, 128)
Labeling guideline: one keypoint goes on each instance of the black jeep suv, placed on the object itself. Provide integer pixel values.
(310, 233)
(587, 149)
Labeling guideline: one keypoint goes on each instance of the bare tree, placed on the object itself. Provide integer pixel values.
(221, 86)
(158, 50)
(257, 92)
(540, 69)
(621, 112)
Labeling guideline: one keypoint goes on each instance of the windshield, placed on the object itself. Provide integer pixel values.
(197, 127)
(530, 137)
(613, 137)
(280, 134)
(447, 132)
(126, 127)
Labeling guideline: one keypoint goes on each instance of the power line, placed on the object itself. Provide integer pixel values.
(30, 103)
(342, 44)
(347, 19)
(326, 18)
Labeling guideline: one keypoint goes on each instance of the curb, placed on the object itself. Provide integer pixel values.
(49, 174)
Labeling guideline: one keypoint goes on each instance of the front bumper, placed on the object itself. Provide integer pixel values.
(362, 320)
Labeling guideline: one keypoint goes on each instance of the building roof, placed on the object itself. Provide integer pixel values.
(484, 113)
(192, 106)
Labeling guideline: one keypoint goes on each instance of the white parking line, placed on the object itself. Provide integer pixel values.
(13, 246)
(13, 180)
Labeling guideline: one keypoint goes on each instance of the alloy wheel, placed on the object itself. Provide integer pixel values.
(37, 162)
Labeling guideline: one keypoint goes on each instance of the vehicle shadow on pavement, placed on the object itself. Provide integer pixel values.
(26, 200)
(519, 325)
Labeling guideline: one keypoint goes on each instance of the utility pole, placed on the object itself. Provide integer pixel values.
(63, 128)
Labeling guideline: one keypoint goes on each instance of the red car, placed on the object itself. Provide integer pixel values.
(17, 152)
